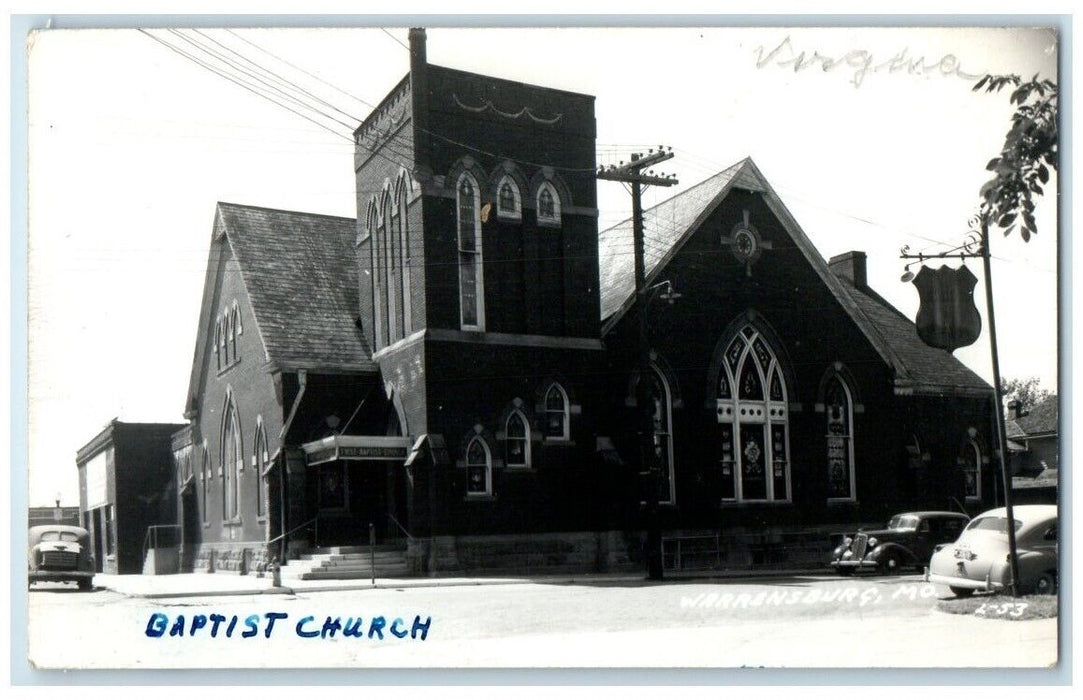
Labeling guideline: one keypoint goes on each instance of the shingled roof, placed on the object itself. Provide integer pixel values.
(300, 274)
(918, 367)
(1039, 420)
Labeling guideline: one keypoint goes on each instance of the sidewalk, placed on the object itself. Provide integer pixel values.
(224, 584)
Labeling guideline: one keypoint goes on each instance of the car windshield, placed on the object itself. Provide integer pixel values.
(993, 523)
(903, 522)
(59, 537)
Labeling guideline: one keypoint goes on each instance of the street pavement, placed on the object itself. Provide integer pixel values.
(797, 621)
(219, 584)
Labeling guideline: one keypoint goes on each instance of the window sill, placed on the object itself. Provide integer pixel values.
(558, 442)
(754, 504)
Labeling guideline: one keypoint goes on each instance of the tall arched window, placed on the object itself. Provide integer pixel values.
(205, 471)
(839, 408)
(662, 412)
(753, 421)
(556, 413)
(378, 293)
(970, 463)
(548, 205)
(403, 231)
(479, 468)
(391, 277)
(232, 462)
(261, 457)
(471, 281)
(234, 331)
(218, 344)
(517, 439)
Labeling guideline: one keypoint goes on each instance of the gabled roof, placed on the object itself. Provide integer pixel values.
(300, 272)
(668, 225)
(1040, 419)
(300, 276)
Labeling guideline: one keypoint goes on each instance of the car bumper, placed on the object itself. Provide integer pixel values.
(61, 575)
(987, 585)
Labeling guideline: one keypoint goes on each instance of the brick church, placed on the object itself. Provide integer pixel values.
(454, 373)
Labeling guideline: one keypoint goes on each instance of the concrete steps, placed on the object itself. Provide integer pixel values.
(339, 563)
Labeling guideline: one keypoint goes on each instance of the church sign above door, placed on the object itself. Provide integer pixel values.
(356, 448)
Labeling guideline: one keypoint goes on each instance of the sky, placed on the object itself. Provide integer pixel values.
(876, 143)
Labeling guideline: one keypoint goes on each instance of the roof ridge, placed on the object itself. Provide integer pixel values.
(682, 193)
(293, 212)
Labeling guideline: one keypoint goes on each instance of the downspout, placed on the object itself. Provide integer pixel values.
(302, 382)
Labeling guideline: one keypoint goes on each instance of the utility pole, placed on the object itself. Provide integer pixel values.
(633, 174)
(977, 245)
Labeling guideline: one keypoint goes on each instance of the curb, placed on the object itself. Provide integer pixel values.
(720, 576)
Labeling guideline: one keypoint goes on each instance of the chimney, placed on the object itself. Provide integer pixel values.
(419, 99)
(850, 266)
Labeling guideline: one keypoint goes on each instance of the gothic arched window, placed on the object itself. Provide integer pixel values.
(232, 462)
(479, 468)
(471, 280)
(556, 413)
(517, 439)
(753, 421)
(662, 413)
(839, 407)
(548, 205)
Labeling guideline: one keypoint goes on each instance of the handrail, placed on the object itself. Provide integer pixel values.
(154, 529)
(284, 534)
(399, 525)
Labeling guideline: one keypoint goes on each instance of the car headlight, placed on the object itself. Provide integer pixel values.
(848, 541)
(872, 542)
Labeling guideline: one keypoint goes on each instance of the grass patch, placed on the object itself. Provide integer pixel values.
(1002, 607)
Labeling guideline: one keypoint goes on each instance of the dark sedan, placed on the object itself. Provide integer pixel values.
(908, 541)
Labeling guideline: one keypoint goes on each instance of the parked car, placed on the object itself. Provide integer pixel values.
(907, 541)
(978, 560)
(61, 553)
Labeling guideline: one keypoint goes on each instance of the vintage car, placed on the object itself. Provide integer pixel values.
(61, 553)
(978, 560)
(908, 541)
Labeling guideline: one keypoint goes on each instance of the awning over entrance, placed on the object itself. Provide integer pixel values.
(356, 448)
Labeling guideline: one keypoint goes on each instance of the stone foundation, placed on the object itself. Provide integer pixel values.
(232, 558)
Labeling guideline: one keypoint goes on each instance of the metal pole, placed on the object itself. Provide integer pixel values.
(1006, 478)
(372, 551)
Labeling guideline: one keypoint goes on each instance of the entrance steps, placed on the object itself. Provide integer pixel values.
(355, 562)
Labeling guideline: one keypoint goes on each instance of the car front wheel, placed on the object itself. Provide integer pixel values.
(889, 564)
(1046, 584)
(961, 592)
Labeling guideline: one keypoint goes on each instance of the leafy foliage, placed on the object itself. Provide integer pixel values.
(1027, 391)
(1028, 154)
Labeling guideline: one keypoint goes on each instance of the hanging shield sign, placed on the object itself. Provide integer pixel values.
(947, 317)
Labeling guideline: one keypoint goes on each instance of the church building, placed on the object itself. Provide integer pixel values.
(454, 374)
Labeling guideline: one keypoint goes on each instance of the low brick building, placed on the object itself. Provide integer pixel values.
(125, 486)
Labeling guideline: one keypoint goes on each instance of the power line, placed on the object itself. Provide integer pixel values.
(233, 80)
(394, 38)
(302, 70)
(279, 78)
(244, 71)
